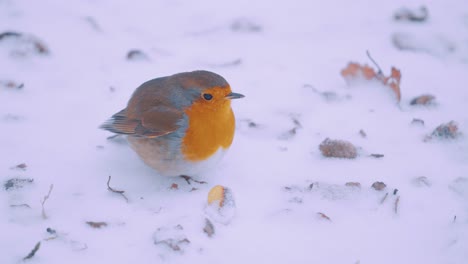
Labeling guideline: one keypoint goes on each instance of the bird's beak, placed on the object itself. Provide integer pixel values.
(234, 96)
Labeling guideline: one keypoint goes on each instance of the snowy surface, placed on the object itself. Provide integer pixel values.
(281, 55)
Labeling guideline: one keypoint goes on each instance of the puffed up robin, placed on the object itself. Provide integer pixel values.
(179, 124)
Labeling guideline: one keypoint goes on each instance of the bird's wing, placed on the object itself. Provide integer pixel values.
(155, 122)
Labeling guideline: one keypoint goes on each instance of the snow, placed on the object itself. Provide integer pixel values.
(281, 55)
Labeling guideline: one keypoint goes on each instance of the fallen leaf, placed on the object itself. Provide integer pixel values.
(355, 71)
(221, 205)
(412, 15)
(379, 186)
(425, 99)
(136, 55)
(209, 228)
(446, 131)
(216, 194)
(338, 149)
(393, 81)
(12, 84)
(21, 166)
(353, 184)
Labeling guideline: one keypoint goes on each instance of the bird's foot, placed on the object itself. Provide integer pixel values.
(189, 179)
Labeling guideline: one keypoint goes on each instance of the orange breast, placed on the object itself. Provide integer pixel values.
(208, 130)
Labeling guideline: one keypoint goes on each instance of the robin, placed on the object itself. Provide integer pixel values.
(180, 124)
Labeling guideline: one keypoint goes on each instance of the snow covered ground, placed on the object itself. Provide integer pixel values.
(292, 205)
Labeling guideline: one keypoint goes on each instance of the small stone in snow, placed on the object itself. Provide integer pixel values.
(379, 186)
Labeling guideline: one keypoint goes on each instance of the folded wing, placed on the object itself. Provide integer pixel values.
(155, 122)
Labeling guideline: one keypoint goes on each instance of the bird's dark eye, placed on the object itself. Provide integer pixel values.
(207, 96)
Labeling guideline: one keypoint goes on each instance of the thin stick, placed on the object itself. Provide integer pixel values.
(384, 198)
(20, 205)
(397, 201)
(45, 199)
(33, 251)
(116, 191)
(375, 63)
(188, 179)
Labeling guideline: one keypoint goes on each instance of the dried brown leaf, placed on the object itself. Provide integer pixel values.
(355, 71)
(446, 131)
(353, 184)
(379, 186)
(338, 149)
(425, 99)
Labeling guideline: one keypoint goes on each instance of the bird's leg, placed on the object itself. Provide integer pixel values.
(188, 179)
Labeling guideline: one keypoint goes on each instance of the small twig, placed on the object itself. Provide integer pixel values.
(384, 198)
(454, 218)
(380, 72)
(20, 205)
(33, 251)
(296, 122)
(323, 216)
(96, 224)
(45, 199)
(228, 64)
(397, 201)
(188, 179)
(116, 191)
